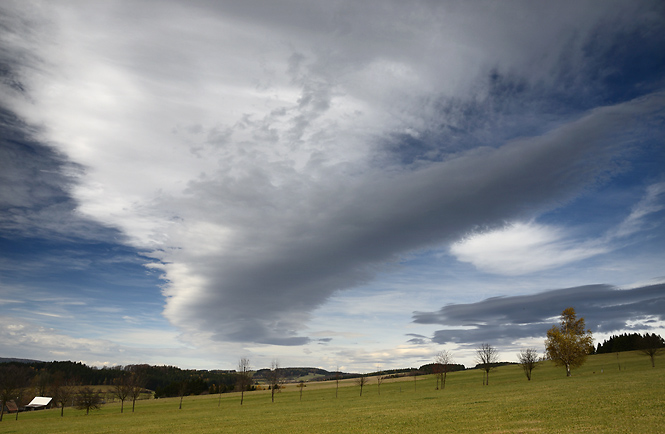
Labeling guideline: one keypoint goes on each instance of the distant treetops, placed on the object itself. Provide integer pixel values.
(629, 342)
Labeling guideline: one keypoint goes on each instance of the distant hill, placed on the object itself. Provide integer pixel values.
(168, 380)
(165, 380)
(294, 375)
(299, 374)
(13, 360)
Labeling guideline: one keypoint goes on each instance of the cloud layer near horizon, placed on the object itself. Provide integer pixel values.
(505, 320)
(268, 156)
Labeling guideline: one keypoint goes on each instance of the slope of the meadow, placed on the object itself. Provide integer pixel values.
(606, 395)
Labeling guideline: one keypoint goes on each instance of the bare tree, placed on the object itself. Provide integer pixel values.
(274, 378)
(183, 390)
(361, 381)
(337, 375)
(20, 396)
(121, 390)
(243, 378)
(445, 360)
(652, 345)
(301, 386)
(63, 391)
(486, 357)
(436, 370)
(528, 359)
(12, 380)
(137, 382)
(87, 399)
(379, 378)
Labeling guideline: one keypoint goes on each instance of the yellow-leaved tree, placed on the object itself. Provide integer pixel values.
(569, 344)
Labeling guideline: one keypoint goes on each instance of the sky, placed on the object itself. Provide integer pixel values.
(338, 184)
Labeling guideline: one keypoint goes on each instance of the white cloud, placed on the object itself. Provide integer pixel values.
(522, 248)
(528, 247)
(35, 339)
(28, 339)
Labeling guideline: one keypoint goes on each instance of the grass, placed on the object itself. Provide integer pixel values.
(598, 398)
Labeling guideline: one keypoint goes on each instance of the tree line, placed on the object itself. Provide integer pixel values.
(164, 380)
(72, 383)
(629, 342)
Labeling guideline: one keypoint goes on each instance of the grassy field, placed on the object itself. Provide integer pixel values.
(598, 398)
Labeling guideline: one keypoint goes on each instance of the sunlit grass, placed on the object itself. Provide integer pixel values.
(597, 398)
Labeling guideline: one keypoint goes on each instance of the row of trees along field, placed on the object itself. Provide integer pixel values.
(567, 345)
(650, 344)
(73, 383)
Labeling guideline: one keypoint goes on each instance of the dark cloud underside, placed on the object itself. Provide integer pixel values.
(605, 309)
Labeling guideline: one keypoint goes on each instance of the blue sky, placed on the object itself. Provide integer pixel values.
(326, 183)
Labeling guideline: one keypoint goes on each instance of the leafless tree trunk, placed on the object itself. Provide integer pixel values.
(12, 380)
(436, 370)
(486, 356)
(301, 385)
(379, 378)
(337, 375)
(20, 396)
(445, 360)
(137, 382)
(528, 359)
(652, 345)
(361, 381)
(274, 378)
(63, 391)
(182, 391)
(87, 399)
(121, 389)
(244, 378)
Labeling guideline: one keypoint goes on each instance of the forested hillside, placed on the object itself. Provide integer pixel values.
(630, 342)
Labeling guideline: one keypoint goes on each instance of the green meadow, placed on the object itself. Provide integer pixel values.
(606, 395)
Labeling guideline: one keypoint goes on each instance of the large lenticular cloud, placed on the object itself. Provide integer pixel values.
(311, 238)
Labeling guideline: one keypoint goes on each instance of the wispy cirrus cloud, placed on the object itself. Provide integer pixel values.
(640, 219)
